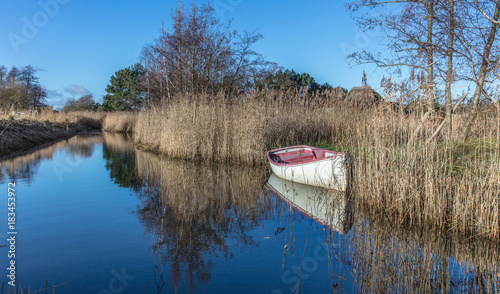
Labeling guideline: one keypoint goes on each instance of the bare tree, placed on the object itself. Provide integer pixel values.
(20, 89)
(409, 40)
(456, 43)
(199, 54)
(479, 51)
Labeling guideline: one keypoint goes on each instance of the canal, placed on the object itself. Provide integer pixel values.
(93, 214)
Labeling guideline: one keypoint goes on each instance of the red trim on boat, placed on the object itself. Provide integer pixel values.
(287, 158)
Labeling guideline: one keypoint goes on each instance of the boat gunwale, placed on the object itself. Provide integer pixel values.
(337, 154)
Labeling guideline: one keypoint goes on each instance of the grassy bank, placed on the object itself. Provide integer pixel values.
(447, 185)
(17, 136)
(22, 132)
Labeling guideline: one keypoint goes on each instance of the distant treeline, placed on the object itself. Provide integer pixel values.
(20, 89)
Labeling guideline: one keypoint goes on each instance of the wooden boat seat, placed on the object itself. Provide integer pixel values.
(318, 153)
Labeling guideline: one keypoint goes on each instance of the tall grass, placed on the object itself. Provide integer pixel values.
(119, 122)
(219, 129)
(115, 122)
(444, 184)
(89, 118)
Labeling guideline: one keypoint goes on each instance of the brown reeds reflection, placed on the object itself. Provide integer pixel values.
(194, 211)
(118, 142)
(389, 258)
(25, 167)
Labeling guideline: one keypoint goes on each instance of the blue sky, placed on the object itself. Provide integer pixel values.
(77, 45)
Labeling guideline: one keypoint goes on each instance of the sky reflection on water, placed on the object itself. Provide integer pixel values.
(95, 211)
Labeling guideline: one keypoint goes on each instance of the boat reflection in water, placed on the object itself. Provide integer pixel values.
(328, 207)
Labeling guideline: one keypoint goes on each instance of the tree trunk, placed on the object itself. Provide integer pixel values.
(430, 56)
(449, 72)
(482, 74)
(444, 121)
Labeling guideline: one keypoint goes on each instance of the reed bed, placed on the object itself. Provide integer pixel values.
(116, 122)
(119, 122)
(445, 184)
(219, 129)
(91, 119)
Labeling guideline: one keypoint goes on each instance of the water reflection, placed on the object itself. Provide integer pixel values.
(25, 167)
(197, 213)
(328, 207)
(194, 211)
(393, 258)
(118, 152)
(199, 217)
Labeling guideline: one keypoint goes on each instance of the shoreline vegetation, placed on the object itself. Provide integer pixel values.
(20, 133)
(443, 184)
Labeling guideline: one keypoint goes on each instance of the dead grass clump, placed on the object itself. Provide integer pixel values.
(119, 122)
(90, 119)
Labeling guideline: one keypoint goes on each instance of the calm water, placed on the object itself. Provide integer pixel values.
(96, 214)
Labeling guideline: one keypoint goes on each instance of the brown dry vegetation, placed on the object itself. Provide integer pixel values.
(447, 185)
(119, 122)
(23, 131)
(89, 118)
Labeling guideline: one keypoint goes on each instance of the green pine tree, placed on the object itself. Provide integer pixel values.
(124, 91)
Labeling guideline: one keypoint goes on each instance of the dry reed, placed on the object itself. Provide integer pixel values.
(442, 184)
(119, 122)
(89, 118)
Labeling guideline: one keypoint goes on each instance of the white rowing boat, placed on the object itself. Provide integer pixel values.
(309, 165)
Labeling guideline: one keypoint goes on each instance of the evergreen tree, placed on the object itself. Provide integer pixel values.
(124, 91)
(284, 80)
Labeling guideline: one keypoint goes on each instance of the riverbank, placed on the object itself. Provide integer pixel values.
(18, 136)
(23, 133)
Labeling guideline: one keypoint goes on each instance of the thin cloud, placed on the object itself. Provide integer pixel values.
(77, 90)
(39, 69)
(57, 103)
(53, 94)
